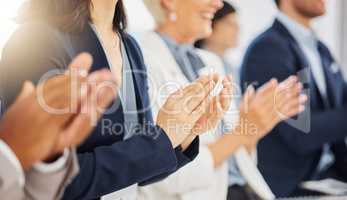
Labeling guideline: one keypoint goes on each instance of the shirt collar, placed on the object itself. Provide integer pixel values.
(301, 33)
(174, 45)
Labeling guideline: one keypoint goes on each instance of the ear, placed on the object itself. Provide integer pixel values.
(169, 5)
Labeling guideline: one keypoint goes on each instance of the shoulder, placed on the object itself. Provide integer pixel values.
(270, 41)
(33, 35)
(35, 43)
(150, 42)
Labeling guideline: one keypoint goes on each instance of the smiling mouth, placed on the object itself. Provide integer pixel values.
(207, 16)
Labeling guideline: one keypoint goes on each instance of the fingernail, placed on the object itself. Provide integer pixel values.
(303, 98)
(274, 81)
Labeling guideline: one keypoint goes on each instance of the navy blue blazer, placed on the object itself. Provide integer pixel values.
(288, 156)
(107, 162)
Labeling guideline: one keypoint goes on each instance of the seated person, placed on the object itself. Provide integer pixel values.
(179, 25)
(294, 152)
(29, 134)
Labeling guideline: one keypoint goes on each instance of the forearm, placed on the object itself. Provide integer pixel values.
(185, 145)
(225, 147)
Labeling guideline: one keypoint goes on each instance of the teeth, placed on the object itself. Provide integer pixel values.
(207, 15)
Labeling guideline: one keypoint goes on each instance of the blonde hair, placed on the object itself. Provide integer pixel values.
(157, 11)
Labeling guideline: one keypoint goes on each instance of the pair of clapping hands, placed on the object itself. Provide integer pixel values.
(58, 113)
(194, 110)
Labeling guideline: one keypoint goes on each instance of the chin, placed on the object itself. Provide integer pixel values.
(207, 32)
(318, 14)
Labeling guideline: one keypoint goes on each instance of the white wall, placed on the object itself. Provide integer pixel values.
(255, 16)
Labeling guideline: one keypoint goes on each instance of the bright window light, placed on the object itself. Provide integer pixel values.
(9, 8)
(8, 11)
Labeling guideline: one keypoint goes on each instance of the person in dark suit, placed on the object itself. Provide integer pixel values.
(294, 153)
(126, 148)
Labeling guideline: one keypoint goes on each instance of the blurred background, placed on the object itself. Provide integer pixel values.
(255, 16)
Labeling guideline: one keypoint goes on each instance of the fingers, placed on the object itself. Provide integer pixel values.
(75, 133)
(248, 98)
(63, 92)
(268, 88)
(289, 82)
(285, 96)
(83, 61)
(226, 94)
(293, 107)
(67, 87)
(103, 91)
(195, 94)
(27, 90)
(201, 109)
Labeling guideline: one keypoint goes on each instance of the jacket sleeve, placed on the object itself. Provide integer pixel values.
(11, 178)
(111, 168)
(268, 58)
(50, 186)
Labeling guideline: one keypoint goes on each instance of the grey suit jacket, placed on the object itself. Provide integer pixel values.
(38, 186)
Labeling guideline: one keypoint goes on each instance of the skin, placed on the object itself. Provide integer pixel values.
(259, 112)
(303, 11)
(225, 35)
(184, 118)
(43, 142)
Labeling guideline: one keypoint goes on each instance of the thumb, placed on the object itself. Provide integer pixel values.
(83, 62)
(27, 89)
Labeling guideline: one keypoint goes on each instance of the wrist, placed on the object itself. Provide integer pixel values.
(171, 136)
(187, 142)
(243, 139)
(24, 159)
(52, 158)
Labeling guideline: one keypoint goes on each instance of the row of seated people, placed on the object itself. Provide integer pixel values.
(157, 118)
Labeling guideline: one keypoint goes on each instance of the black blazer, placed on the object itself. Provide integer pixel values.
(288, 156)
(107, 163)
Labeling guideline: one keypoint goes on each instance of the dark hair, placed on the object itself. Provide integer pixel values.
(278, 3)
(69, 15)
(220, 14)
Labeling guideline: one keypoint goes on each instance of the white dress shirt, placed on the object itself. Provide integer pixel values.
(40, 167)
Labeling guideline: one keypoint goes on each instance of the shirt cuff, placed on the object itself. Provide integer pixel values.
(48, 168)
(11, 156)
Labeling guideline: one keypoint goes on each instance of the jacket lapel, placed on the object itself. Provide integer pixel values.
(303, 67)
(139, 75)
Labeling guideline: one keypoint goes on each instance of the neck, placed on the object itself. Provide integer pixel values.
(102, 13)
(172, 31)
(293, 14)
(217, 49)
